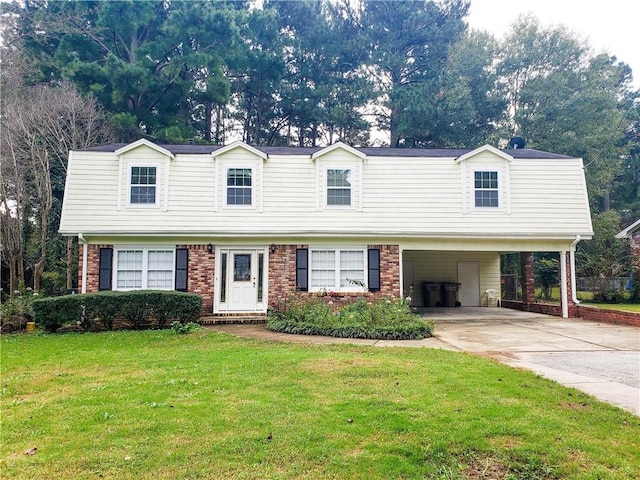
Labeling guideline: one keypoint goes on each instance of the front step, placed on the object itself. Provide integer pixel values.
(226, 319)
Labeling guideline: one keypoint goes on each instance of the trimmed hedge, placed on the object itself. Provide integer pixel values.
(138, 307)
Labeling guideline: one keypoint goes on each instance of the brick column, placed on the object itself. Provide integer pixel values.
(389, 270)
(527, 280)
(282, 271)
(201, 274)
(572, 309)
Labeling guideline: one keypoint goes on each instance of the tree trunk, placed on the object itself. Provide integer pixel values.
(394, 130)
(207, 122)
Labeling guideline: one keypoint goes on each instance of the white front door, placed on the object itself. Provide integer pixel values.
(469, 280)
(241, 280)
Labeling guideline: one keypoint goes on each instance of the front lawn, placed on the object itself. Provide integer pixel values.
(156, 405)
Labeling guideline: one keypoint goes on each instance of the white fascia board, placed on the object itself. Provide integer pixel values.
(339, 145)
(146, 143)
(626, 233)
(485, 148)
(239, 144)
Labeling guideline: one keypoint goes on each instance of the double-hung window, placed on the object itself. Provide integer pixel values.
(339, 183)
(337, 269)
(151, 268)
(486, 189)
(143, 185)
(239, 186)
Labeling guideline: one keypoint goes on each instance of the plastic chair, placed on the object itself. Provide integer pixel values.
(493, 295)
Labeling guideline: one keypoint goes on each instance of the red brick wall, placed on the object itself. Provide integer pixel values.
(93, 266)
(528, 279)
(282, 275)
(609, 316)
(201, 274)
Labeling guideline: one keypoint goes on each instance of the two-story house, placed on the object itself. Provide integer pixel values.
(243, 226)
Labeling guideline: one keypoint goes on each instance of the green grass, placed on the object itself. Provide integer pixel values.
(627, 307)
(156, 405)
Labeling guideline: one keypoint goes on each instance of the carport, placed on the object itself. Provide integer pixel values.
(474, 268)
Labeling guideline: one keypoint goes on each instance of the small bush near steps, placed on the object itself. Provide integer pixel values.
(383, 319)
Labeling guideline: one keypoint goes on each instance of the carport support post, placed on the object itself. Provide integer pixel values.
(528, 280)
(564, 297)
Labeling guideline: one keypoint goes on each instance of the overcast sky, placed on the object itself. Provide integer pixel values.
(611, 26)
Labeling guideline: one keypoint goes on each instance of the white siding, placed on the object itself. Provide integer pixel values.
(400, 198)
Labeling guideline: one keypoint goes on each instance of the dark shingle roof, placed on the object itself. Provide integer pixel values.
(369, 151)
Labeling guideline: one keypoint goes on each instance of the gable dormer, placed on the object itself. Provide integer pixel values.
(143, 175)
(239, 174)
(339, 173)
(485, 178)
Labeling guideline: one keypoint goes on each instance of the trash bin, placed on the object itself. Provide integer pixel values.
(450, 294)
(431, 292)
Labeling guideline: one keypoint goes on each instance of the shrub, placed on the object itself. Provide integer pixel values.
(388, 318)
(104, 306)
(609, 296)
(185, 328)
(55, 312)
(137, 307)
(19, 304)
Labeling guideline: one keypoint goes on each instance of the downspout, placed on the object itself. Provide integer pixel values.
(572, 261)
(85, 253)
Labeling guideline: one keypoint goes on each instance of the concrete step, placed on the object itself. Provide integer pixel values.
(228, 319)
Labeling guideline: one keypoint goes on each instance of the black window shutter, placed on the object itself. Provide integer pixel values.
(374, 269)
(105, 268)
(302, 269)
(182, 264)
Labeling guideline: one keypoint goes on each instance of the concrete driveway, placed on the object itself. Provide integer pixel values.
(600, 359)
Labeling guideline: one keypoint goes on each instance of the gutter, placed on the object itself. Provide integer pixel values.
(85, 253)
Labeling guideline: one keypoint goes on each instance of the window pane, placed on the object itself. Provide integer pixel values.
(351, 267)
(338, 186)
(338, 196)
(223, 278)
(486, 189)
(143, 185)
(239, 177)
(160, 269)
(242, 267)
(323, 272)
(238, 196)
(239, 186)
(260, 276)
(338, 178)
(129, 269)
(143, 194)
(486, 198)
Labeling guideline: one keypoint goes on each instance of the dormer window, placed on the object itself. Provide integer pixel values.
(239, 186)
(339, 183)
(486, 189)
(143, 185)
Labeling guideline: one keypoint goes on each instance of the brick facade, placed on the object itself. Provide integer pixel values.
(281, 271)
(201, 274)
(93, 266)
(282, 275)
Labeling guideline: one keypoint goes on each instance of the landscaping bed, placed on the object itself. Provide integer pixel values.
(381, 319)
